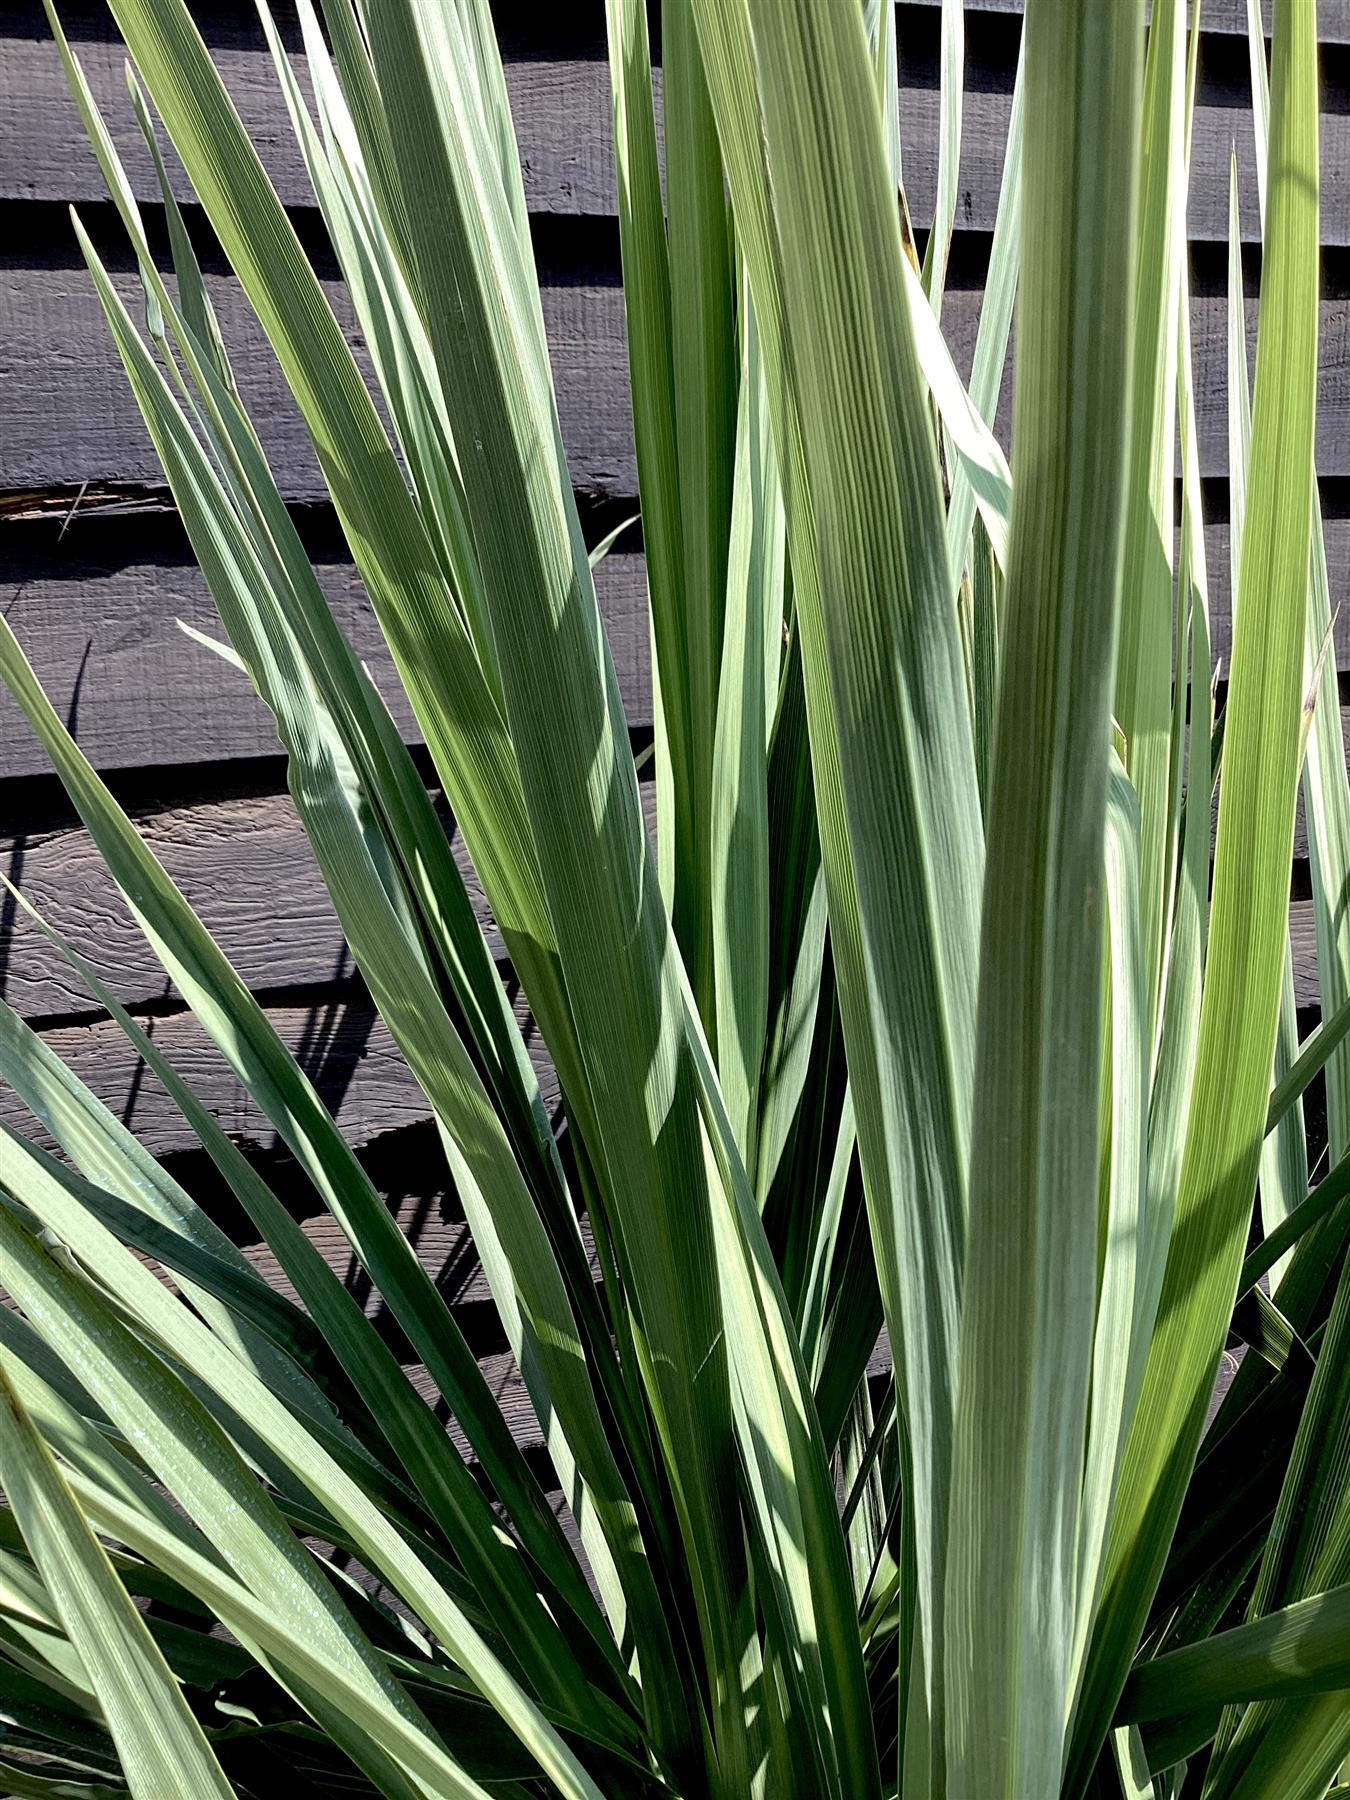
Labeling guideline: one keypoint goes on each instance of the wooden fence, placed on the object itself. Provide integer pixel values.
(95, 570)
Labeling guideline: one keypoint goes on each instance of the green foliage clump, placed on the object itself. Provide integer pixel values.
(929, 1008)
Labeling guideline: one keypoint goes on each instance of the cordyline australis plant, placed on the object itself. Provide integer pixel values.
(810, 1081)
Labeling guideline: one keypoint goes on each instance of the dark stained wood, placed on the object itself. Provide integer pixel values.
(1303, 938)
(343, 1045)
(244, 863)
(70, 417)
(562, 112)
(246, 866)
(98, 612)
(561, 108)
(97, 615)
(557, 79)
(338, 1038)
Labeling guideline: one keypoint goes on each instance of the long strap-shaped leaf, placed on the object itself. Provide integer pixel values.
(1283, 1179)
(57, 1303)
(393, 964)
(807, 1594)
(332, 663)
(1180, 1023)
(648, 310)
(268, 1330)
(996, 311)
(163, 1749)
(393, 788)
(792, 87)
(379, 1385)
(392, 798)
(184, 1569)
(1143, 702)
(1124, 1308)
(1326, 786)
(108, 1153)
(740, 872)
(1250, 898)
(231, 1015)
(682, 364)
(704, 363)
(1296, 1747)
(436, 657)
(189, 1454)
(951, 84)
(1302, 1649)
(617, 951)
(1030, 1299)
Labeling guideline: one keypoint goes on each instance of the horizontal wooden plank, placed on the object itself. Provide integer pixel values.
(100, 627)
(339, 1039)
(96, 611)
(70, 417)
(580, 29)
(561, 108)
(243, 862)
(343, 1044)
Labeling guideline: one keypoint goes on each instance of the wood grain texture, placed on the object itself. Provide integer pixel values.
(246, 866)
(244, 862)
(561, 109)
(336, 1035)
(70, 416)
(338, 1038)
(1303, 938)
(97, 613)
(342, 1043)
(71, 419)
